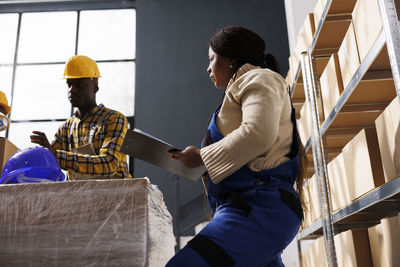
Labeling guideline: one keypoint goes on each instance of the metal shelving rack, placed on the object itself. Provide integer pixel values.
(383, 201)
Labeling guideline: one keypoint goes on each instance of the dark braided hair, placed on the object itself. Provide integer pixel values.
(245, 46)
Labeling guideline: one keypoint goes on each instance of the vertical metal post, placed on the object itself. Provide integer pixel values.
(391, 27)
(319, 157)
(14, 66)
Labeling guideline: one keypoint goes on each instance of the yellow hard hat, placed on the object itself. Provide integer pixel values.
(81, 67)
(4, 102)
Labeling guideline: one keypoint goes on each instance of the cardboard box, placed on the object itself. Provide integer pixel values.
(303, 41)
(316, 253)
(337, 7)
(367, 25)
(388, 132)
(303, 123)
(331, 84)
(314, 199)
(299, 93)
(7, 149)
(307, 209)
(318, 10)
(338, 183)
(363, 163)
(289, 77)
(375, 235)
(384, 240)
(349, 59)
(294, 64)
(306, 33)
(117, 222)
(352, 248)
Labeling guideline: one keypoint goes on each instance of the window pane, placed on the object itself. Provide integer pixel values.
(117, 85)
(5, 81)
(108, 34)
(8, 33)
(47, 37)
(40, 93)
(19, 132)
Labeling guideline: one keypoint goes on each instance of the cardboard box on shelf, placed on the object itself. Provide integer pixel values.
(306, 33)
(367, 25)
(318, 11)
(384, 240)
(289, 78)
(352, 248)
(315, 254)
(303, 123)
(338, 183)
(314, 199)
(298, 92)
(338, 7)
(7, 149)
(293, 66)
(331, 84)
(362, 162)
(375, 235)
(388, 132)
(303, 41)
(349, 59)
(307, 209)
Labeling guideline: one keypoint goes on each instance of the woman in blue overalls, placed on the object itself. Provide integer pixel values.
(251, 153)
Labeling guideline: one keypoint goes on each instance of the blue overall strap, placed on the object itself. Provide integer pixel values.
(245, 179)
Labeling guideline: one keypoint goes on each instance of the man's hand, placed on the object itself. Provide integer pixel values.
(190, 157)
(41, 139)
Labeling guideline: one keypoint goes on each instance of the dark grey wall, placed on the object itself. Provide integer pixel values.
(174, 95)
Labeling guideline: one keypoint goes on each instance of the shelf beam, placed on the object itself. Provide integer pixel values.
(365, 212)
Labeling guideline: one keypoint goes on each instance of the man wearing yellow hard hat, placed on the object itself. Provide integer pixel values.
(89, 143)
(5, 110)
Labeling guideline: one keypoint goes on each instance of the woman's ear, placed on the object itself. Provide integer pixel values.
(233, 62)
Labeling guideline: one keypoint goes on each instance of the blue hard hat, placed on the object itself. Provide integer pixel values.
(32, 165)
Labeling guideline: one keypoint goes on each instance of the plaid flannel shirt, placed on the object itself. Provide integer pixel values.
(105, 129)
